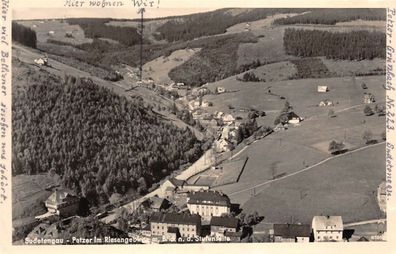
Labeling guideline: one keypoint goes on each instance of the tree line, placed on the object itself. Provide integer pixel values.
(332, 16)
(97, 28)
(100, 143)
(210, 23)
(355, 45)
(24, 35)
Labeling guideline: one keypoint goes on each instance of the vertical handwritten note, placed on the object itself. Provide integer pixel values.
(5, 103)
(390, 97)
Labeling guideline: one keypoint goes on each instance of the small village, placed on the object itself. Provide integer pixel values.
(184, 213)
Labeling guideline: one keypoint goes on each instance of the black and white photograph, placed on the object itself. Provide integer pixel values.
(158, 125)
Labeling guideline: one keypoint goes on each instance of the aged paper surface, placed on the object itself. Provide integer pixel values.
(226, 126)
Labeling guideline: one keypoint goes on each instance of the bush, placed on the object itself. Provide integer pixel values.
(336, 147)
(368, 111)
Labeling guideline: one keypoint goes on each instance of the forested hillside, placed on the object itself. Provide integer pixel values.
(210, 23)
(356, 45)
(216, 61)
(332, 16)
(97, 28)
(101, 143)
(24, 35)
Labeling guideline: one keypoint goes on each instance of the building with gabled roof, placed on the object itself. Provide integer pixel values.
(208, 203)
(188, 225)
(221, 225)
(327, 228)
(62, 203)
(291, 233)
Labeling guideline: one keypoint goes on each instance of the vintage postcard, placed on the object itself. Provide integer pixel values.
(184, 126)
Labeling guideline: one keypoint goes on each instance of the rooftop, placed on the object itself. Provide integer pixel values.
(208, 197)
(229, 222)
(176, 218)
(327, 222)
(60, 196)
(292, 230)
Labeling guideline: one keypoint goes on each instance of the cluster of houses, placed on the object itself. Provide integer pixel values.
(204, 213)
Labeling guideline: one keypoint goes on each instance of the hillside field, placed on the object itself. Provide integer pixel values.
(343, 186)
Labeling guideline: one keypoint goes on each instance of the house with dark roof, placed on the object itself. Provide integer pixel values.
(158, 204)
(221, 225)
(208, 203)
(189, 225)
(291, 233)
(62, 203)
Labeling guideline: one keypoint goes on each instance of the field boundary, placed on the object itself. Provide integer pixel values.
(306, 169)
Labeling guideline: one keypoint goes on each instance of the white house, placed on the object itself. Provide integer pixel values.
(327, 228)
(206, 104)
(228, 119)
(323, 89)
(208, 203)
(326, 103)
(51, 32)
(220, 89)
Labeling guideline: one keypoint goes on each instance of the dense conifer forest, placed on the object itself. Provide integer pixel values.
(356, 45)
(100, 143)
(24, 35)
(97, 28)
(333, 16)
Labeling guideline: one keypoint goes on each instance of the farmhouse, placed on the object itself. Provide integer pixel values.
(188, 225)
(206, 104)
(326, 103)
(220, 225)
(327, 228)
(228, 119)
(368, 98)
(220, 89)
(280, 127)
(51, 33)
(62, 203)
(323, 89)
(171, 186)
(208, 203)
(41, 61)
(293, 118)
(291, 233)
(201, 91)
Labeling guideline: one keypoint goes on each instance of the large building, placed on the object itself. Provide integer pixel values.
(208, 204)
(327, 228)
(188, 225)
(62, 203)
(291, 233)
